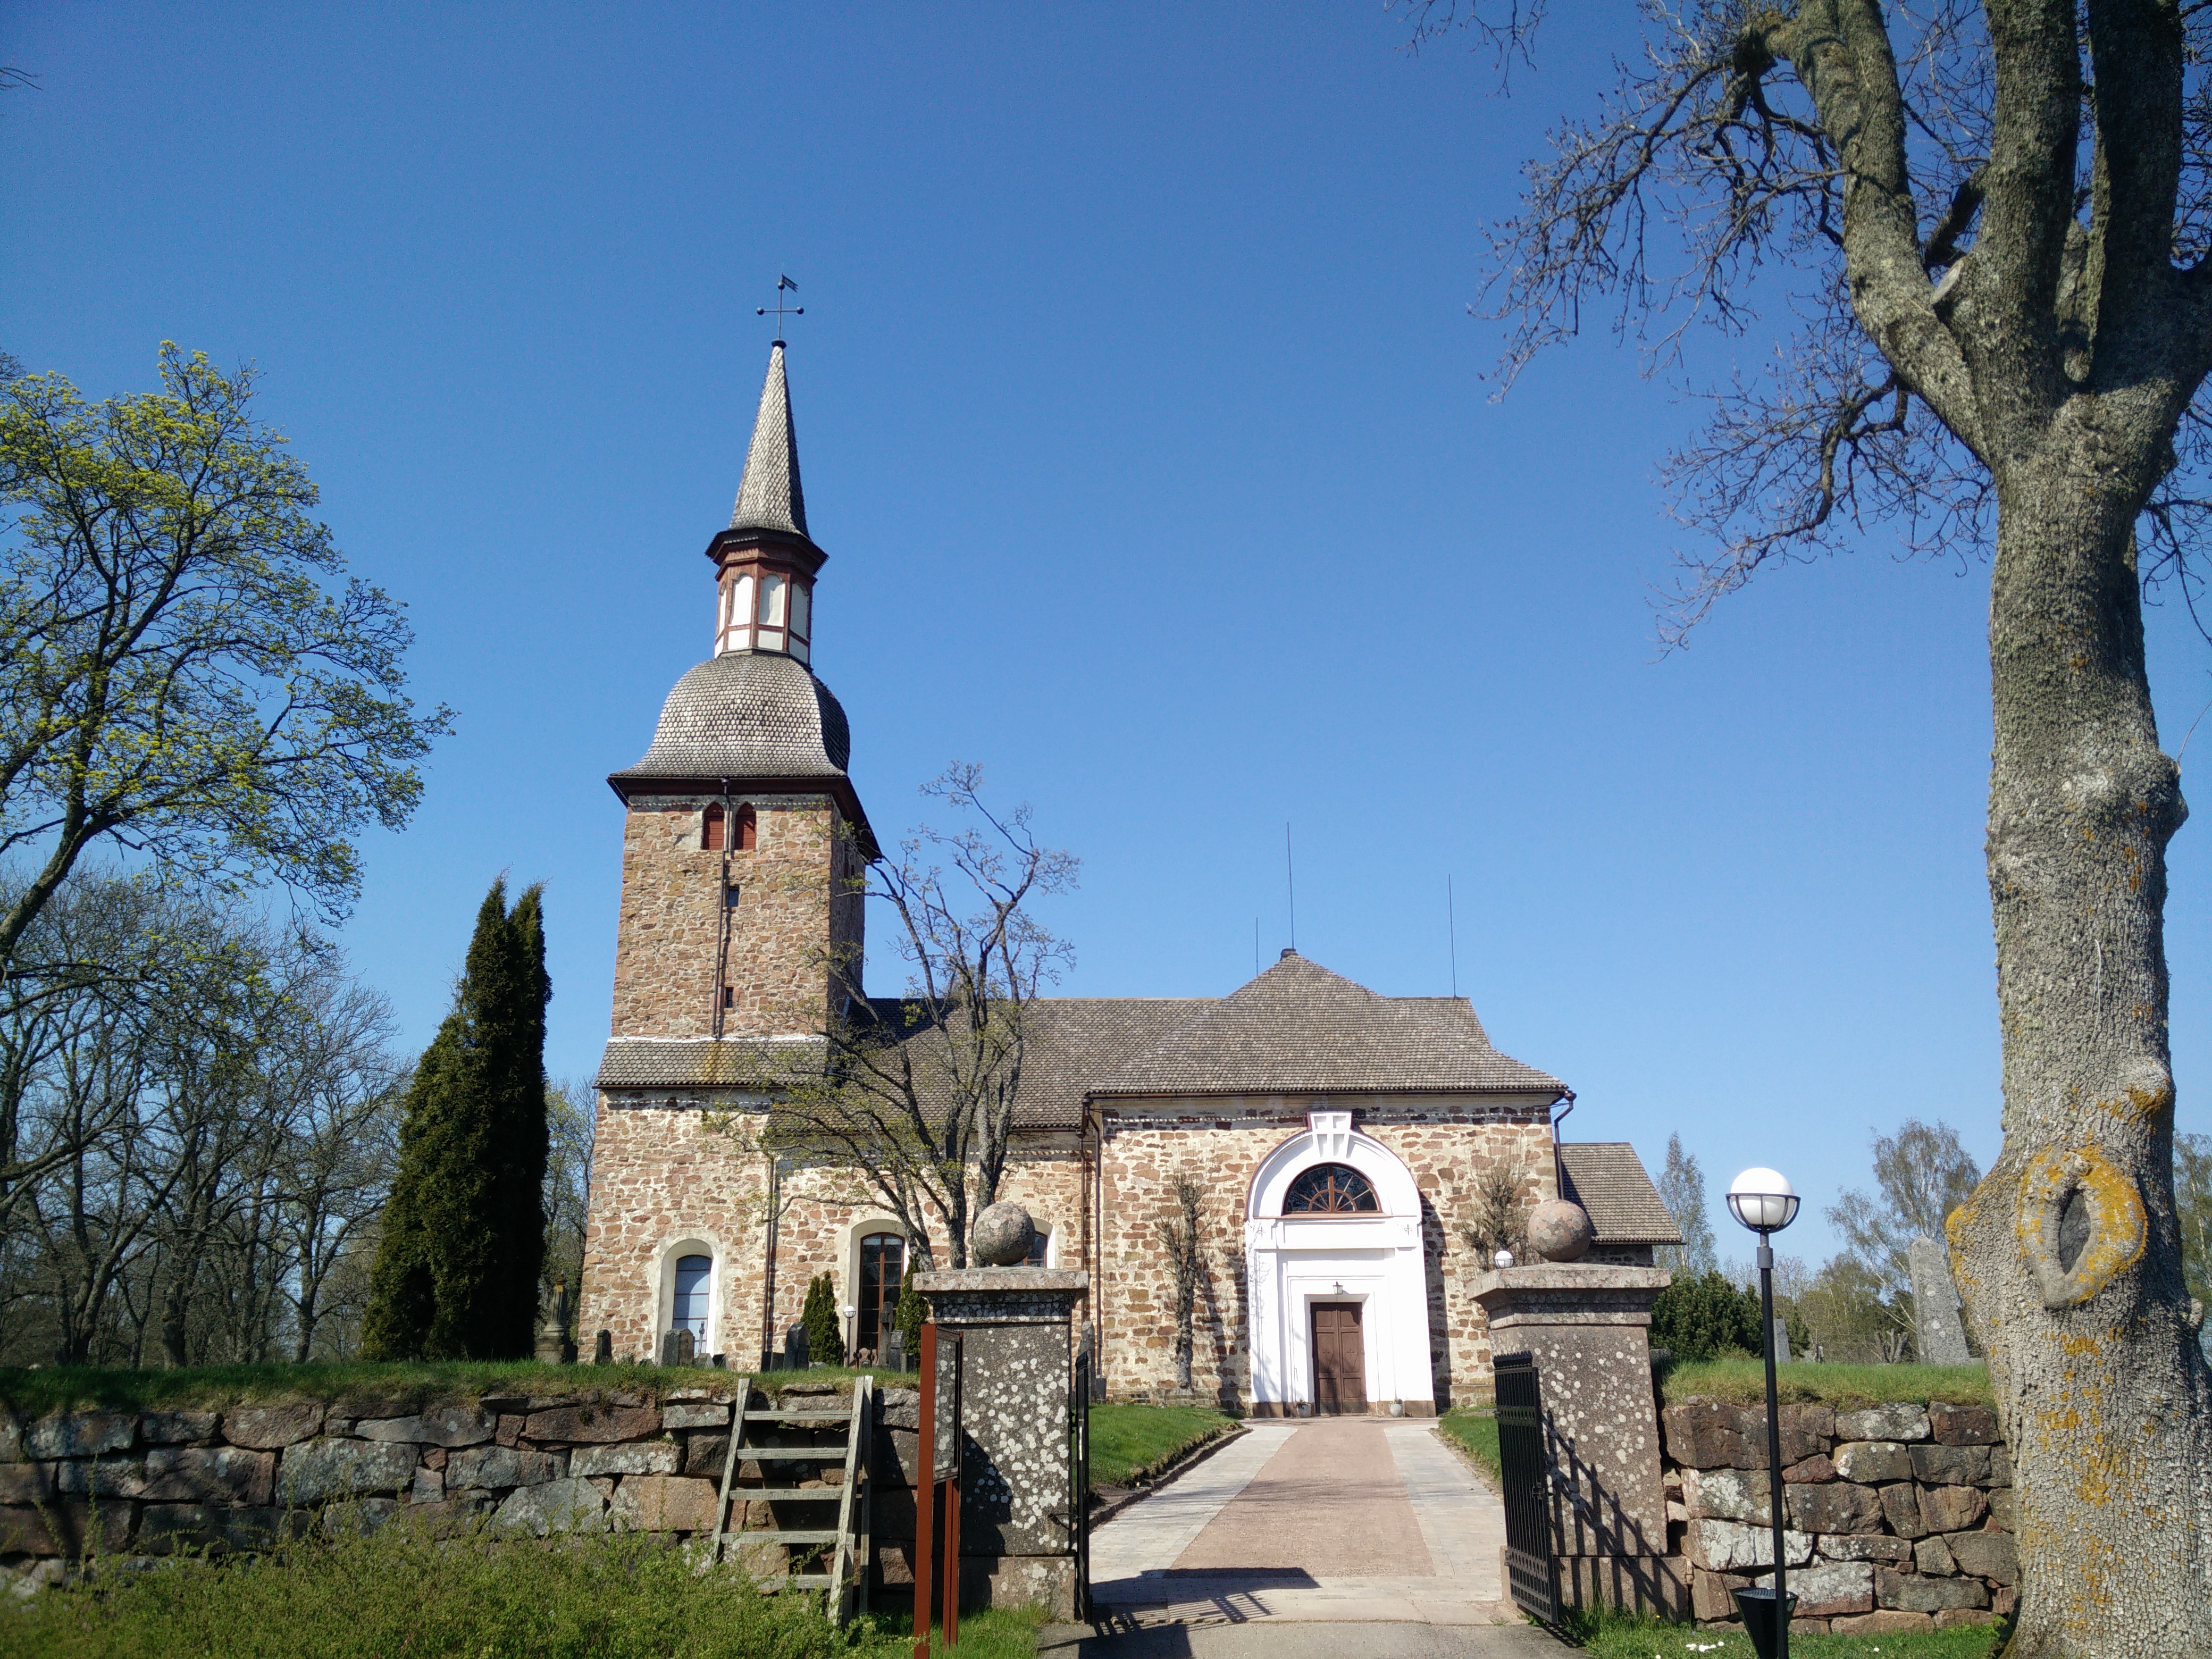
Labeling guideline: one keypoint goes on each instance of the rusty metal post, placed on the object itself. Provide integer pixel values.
(953, 1472)
(924, 1490)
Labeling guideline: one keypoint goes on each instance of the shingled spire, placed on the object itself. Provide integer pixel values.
(770, 498)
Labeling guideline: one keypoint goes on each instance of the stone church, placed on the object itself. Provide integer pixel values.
(1338, 1137)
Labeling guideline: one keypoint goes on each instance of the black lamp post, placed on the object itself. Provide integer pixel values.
(1765, 1203)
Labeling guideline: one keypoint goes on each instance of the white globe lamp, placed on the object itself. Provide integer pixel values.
(1764, 1202)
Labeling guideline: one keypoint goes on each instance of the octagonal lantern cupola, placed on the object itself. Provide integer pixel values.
(765, 560)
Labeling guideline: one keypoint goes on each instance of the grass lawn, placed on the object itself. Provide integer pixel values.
(49, 1389)
(401, 1590)
(1616, 1637)
(1129, 1441)
(1744, 1381)
(1478, 1432)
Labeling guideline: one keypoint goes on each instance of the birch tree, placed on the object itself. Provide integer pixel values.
(1985, 227)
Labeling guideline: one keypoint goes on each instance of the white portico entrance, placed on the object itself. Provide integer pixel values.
(1339, 1303)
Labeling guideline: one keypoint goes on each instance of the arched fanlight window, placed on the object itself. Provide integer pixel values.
(1332, 1190)
(748, 835)
(693, 1273)
(710, 828)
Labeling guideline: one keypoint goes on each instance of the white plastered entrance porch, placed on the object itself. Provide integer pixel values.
(1290, 1262)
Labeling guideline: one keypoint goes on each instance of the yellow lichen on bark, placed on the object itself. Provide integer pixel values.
(2118, 1227)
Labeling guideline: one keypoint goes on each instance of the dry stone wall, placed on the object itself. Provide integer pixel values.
(1898, 1517)
(152, 1483)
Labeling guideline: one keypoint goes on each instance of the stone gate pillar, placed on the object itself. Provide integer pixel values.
(1016, 1541)
(1587, 1327)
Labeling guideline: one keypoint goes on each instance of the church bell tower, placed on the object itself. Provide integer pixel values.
(742, 842)
(743, 832)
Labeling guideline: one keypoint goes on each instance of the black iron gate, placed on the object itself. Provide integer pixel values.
(1078, 1473)
(1529, 1565)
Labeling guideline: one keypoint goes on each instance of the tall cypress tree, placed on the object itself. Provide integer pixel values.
(463, 1243)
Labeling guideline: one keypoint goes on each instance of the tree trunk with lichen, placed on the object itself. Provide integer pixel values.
(2069, 1253)
(2015, 222)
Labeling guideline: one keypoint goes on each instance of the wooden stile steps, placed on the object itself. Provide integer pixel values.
(838, 1437)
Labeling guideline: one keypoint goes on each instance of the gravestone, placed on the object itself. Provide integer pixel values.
(1782, 1355)
(1017, 1327)
(1935, 1305)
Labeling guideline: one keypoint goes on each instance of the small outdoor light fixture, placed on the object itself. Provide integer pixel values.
(1764, 1202)
(1503, 1259)
(851, 1313)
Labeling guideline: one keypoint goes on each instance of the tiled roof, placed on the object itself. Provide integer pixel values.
(770, 498)
(1608, 1180)
(746, 715)
(1075, 1040)
(702, 1063)
(1298, 1029)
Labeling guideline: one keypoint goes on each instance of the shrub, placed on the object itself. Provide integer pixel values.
(825, 1331)
(1704, 1316)
(912, 1313)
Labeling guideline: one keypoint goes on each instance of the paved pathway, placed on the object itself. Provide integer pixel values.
(1347, 1519)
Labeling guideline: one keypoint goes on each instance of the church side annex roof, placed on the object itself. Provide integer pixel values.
(1298, 1029)
(1608, 1181)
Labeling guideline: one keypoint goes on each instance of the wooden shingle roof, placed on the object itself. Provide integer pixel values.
(1608, 1180)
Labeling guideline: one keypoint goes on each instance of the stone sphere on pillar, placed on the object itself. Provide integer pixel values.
(1003, 1234)
(1560, 1230)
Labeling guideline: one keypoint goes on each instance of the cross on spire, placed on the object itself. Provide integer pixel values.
(782, 283)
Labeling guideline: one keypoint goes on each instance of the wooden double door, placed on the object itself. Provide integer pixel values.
(1339, 1363)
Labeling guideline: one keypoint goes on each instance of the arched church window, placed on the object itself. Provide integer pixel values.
(748, 835)
(692, 1274)
(883, 1269)
(1332, 1190)
(710, 828)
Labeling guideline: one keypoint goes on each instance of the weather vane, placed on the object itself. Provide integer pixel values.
(782, 282)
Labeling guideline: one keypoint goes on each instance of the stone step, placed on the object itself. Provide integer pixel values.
(766, 1454)
(756, 1416)
(815, 1536)
(784, 1494)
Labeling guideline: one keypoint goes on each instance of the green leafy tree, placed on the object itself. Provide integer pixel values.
(178, 681)
(1853, 1318)
(912, 1313)
(1922, 1173)
(825, 1334)
(458, 1265)
(1703, 1316)
(2192, 1204)
(1682, 1190)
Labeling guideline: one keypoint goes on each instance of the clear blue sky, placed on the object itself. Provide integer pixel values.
(1142, 417)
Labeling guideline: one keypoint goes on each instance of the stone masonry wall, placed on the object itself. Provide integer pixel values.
(1220, 1144)
(671, 913)
(1900, 1517)
(660, 1177)
(152, 1483)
